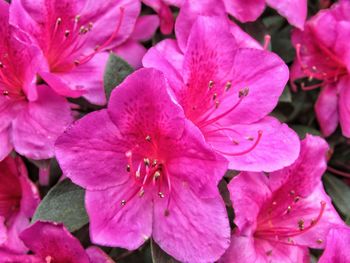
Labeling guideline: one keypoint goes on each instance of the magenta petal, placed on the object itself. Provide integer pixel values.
(243, 248)
(199, 168)
(132, 52)
(5, 142)
(166, 57)
(142, 95)
(344, 105)
(338, 240)
(195, 229)
(37, 127)
(96, 255)
(294, 10)
(145, 27)
(245, 10)
(277, 148)
(91, 149)
(53, 240)
(265, 75)
(247, 200)
(189, 12)
(84, 80)
(326, 109)
(112, 224)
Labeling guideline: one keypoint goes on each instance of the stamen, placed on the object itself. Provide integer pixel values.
(66, 33)
(123, 202)
(148, 138)
(211, 84)
(161, 195)
(245, 151)
(228, 85)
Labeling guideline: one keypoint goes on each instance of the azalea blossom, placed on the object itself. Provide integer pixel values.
(19, 199)
(227, 92)
(295, 11)
(337, 243)
(323, 54)
(31, 115)
(72, 36)
(148, 173)
(280, 214)
(52, 243)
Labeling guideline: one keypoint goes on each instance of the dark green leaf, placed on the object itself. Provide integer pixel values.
(159, 256)
(64, 203)
(302, 130)
(116, 71)
(340, 193)
(286, 95)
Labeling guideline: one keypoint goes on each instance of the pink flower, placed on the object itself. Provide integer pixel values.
(164, 12)
(71, 35)
(52, 243)
(148, 172)
(294, 11)
(323, 54)
(337, 244)
(18, 201)
(31, 116)
(227, 92)
(132, 50)
(279, 215)
(191, 10)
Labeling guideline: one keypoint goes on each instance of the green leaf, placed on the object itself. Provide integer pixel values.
(116, 71)
(64, 203)
(340, 193)
(159, 256)
(302, 130)
(286, 95)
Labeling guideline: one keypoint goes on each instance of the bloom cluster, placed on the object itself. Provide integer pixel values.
(117, 136)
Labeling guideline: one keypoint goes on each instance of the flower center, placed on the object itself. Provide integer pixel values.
(148, 171)
(329, 73)
(72, 39)
(209, 122)
(10, 84)
(282, 221)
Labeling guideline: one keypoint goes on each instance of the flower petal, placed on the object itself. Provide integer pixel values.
(278, 146)
(245, 10)
(194, 229)
(294, 10)
(113, 224)
(141, 106)
(50, 239)
(37, 126)
(344, 105)
(326, 109)
(92, 149)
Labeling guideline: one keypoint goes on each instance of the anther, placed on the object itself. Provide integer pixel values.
(250, 138)
(141, 193)
(292, 192)
(228, 85)
(1, 65)
(289, 208)
(243, 92)
(123, 202)
(66, 33)
(211, 84)
(77, 18)
(215, 95)
(156, 175)
(83, 30)
(59, 21)
(90, 25)
(217, 104)
(319, 241)
(76, 62)
(154, 163)
(128, 169)
(161, 195)
(235, 142)
(137, 174)
(5, 93)
(296, 199)
(301, 224)
(146, 161)
(148, 138)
